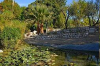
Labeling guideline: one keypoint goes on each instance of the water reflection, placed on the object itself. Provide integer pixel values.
(76, 58)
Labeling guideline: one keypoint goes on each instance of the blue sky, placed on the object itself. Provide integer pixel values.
(26, 2)
(23, 2)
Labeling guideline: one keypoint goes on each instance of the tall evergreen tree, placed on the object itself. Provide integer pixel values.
(12, 6)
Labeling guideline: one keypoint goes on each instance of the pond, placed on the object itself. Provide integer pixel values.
(76, 58)
(72, 57)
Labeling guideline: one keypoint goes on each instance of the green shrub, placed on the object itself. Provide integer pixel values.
(21, 25)
(7, 15)
(9, 36)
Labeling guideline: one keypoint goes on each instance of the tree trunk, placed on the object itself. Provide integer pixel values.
(89, 21)
(66, 23)
(41, 28)
(38, 28)
(93, 21)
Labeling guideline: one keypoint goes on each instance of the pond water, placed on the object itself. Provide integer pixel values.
(76, 58)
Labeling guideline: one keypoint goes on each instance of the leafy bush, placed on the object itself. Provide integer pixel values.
(29, 55)
(14, 29)
(9, 36)
(7, 15)
(21, 25)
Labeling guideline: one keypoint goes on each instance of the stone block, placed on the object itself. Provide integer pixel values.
(92, 30)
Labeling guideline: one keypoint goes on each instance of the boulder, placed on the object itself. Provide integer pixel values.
(34, 32)
(1, 51)
(28, 35)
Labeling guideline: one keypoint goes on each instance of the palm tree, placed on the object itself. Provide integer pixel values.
(41, 15)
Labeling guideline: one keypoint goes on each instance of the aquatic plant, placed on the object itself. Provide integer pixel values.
(26, 56)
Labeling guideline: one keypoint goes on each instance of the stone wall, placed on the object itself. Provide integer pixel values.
(79, 32)
(65, 33)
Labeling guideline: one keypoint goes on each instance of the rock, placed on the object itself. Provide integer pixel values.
(1, 51)
(91, 30)
(28, 35)
(35, 32)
